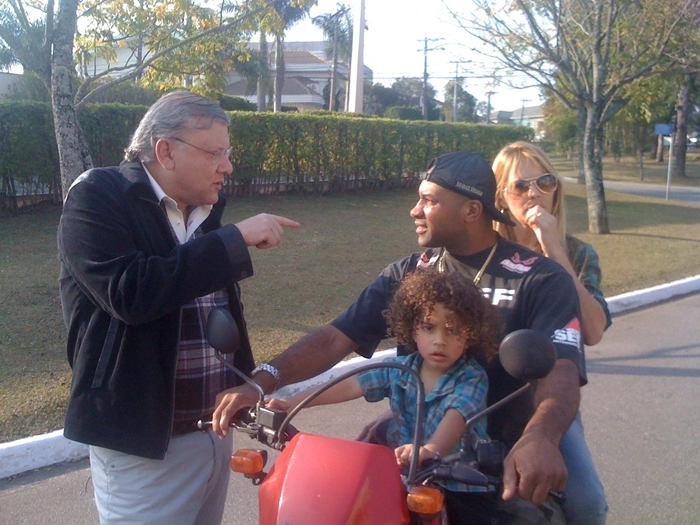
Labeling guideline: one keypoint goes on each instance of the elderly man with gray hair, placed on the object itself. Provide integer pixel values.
(144, 258)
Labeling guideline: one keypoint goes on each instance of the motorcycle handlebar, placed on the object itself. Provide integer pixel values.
(244, 416)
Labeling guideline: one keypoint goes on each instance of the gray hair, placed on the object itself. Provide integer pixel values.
(174, 112)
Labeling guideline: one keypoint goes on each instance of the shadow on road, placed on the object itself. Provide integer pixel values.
(640, 365)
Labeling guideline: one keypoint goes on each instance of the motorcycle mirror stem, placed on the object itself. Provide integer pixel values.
(225, 338)
(525, 354)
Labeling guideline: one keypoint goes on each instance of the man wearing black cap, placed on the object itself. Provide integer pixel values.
(453, 219)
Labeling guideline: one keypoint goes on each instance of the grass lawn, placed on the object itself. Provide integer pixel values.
(626, 169)
(344, 242)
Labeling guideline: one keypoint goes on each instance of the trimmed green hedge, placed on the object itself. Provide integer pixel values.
(321, 153)
(108, 129)
(27, 142)
(271, 152)
(28, 152)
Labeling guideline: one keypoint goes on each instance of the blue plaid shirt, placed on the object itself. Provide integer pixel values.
(463, 387)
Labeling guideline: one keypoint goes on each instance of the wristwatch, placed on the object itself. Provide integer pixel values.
(267, 367)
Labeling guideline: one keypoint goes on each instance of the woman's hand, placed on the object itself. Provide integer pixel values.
(544, 226)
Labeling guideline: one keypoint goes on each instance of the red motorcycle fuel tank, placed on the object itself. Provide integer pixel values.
(319, 480)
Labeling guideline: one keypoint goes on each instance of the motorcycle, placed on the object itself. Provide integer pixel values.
(326, 480)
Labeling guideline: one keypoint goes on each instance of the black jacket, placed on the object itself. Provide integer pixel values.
(123, 281)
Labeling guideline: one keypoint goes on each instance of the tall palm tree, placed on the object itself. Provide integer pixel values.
(337, 29)
(263, 72)
(290, 15)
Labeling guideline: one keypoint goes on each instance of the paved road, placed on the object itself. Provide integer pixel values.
(678, 193)
(639, 409)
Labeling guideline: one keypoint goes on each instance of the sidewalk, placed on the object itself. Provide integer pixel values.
(676, 193)
(45, 450)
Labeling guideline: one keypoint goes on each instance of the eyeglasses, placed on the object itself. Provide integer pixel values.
(546, 183)
(219, 155)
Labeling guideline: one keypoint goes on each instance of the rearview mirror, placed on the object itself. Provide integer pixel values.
(222, 331)
(527, 354)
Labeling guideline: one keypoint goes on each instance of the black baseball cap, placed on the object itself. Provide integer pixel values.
(470, 175)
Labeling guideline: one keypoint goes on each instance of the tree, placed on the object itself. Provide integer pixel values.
(584, 52)
(686, 99)
(378, 98)
(45, 47)
(410, 92)
(560, 125)
(286, 14)
(466, 103)
(263, 80)
(337, 30)
(650, 102)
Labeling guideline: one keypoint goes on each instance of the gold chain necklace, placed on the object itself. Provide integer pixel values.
(477, 277)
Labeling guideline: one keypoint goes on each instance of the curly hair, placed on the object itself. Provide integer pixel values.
(478, 321)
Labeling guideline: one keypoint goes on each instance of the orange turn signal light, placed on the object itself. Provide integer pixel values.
(425, 500)
(249, 462)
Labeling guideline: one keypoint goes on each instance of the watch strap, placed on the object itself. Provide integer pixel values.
(270, 369)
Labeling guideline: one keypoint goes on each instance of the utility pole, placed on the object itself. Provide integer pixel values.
(489, 91)
(522, 110)
(424, 94)
(488, 107)
(454, 94)
(357, 66)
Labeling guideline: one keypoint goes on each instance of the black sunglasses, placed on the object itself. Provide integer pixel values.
(546, 183)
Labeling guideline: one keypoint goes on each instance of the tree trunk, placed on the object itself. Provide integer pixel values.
(279, 74)
(581, 132)
(641, 163)
(659, 148)
(73, 153)
(593, 166)
(680, 141)
(262, 77)
(331, 96)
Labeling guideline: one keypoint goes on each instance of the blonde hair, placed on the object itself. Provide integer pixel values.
(507, 159)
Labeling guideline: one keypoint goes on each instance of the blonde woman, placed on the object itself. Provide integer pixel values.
(530, 193)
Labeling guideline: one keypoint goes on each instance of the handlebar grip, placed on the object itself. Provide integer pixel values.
(559, 497)
(244, 415)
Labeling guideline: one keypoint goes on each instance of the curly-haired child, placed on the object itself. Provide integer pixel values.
(450, 327)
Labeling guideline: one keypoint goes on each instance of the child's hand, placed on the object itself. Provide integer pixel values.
(280, 404)
(404, 453)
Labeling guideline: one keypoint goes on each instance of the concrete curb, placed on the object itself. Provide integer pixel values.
(632, 300)
(35, 452)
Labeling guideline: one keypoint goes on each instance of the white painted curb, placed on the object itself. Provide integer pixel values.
(631, 300)
(49, 449)
(38, 451)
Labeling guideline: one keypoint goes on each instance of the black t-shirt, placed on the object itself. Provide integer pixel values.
(530, 291)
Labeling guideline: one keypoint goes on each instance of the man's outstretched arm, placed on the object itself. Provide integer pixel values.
(308, 357)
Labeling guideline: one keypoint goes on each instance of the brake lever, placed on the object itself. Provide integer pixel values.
(560, 497)
(244, 415)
